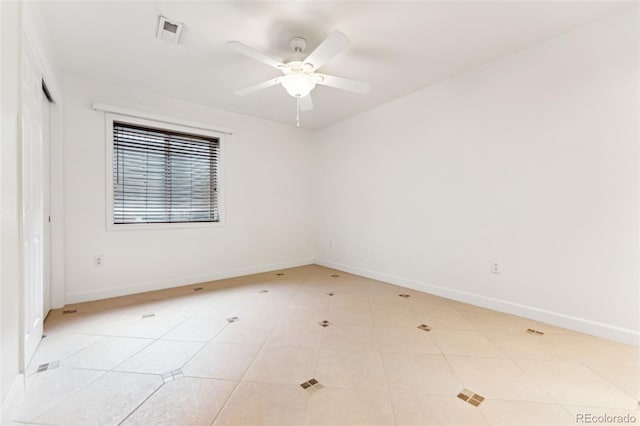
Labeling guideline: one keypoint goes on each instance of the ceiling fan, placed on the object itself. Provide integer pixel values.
(299, 76)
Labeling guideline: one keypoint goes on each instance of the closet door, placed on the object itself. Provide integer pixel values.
(32, 161)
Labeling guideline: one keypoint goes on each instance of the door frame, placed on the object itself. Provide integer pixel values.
(47, 100)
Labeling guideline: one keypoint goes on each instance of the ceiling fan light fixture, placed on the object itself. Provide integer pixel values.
(298, 85)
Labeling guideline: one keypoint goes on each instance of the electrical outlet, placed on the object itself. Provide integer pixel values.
(98, 261)
(496, 267)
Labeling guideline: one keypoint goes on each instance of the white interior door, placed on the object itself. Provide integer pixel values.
(46, 204)
(33, 178)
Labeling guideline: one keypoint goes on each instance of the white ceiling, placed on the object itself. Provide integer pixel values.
(398, 47)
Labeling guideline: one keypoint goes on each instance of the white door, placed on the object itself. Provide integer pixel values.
(33, 176)
(46, 204)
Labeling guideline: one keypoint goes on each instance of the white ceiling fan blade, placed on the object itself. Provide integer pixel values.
(344, 83)
(255, 54)
(306, 104)
(331, 47)
(259, 86)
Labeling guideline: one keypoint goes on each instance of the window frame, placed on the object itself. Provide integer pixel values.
(169, 126)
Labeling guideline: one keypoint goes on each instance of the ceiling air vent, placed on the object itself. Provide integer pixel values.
(169, 31)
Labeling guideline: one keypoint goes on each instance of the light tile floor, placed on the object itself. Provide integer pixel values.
(175, 357)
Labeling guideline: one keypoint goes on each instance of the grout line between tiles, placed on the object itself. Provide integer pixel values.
(68, 396)
(95, 343)
(513, 361)
(635, 397)
(162, 384)
(141, 403)
(388, 389)
(384, 367)
(484, 417)
(235, 389)
(157, 339)
(316, 350)
(203, 346)
(82, 349)
(457, 375)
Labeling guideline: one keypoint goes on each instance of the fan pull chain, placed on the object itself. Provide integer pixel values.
(297, 112)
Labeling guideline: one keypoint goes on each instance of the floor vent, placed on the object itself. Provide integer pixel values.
(325, 323)
(335, 276)
(424, 327)
(470, 397)
(532, 331)
(69, 311)
(404, 295)
(280, 274)
(198, 289)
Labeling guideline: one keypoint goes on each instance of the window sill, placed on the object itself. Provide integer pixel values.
(163, 226)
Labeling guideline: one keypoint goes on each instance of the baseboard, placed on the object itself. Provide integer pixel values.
(582, 325)
(87, 296)
(14, 397)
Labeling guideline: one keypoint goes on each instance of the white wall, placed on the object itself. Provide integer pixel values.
(267, 203)
(532, 160)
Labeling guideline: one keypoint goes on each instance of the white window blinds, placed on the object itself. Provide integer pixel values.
(162, 176)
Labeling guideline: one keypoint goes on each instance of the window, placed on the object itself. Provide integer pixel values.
(163, 174)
